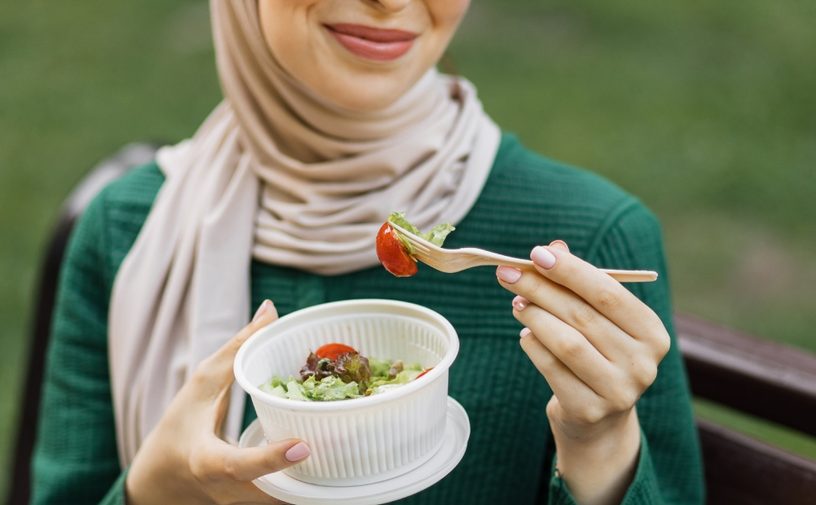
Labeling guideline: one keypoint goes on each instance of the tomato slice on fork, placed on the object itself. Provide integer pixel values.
(392, 253)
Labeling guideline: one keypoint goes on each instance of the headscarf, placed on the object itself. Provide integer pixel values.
(281, 175)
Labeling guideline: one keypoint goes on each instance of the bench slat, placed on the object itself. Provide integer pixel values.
(762, 378)
(742, 470)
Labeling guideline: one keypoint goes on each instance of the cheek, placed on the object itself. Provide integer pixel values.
(284, 24)
(447, 13)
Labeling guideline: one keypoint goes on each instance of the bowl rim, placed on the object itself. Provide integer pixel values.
(437, 371)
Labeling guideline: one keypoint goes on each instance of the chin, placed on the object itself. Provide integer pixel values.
(363, 102)
(363, 94)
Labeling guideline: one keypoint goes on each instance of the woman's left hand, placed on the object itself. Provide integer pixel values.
(598, 347)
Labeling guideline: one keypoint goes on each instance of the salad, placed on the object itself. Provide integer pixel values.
(338, 372)
(395, 253)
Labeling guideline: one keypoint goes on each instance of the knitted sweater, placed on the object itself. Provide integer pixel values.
(527, 200)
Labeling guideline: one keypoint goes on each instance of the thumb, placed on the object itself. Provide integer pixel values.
(252, 462)
(265, 314)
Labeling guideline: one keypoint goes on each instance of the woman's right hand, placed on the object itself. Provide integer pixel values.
(183, 460)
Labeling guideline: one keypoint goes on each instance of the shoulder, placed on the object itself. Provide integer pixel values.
(521, 174)
(113, 218)
(534, 199)
(136, 188)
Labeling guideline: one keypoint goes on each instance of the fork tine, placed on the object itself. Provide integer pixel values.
(434, 261)
(419, 246)
(416, 241)
(425, 251)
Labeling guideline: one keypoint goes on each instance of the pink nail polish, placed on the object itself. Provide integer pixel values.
(297, 452)
(519, 303)
(261, 310)
(542, 257)
(524, 332)
(560, 243)
(508, 274)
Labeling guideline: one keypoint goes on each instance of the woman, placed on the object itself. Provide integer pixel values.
(333, 117)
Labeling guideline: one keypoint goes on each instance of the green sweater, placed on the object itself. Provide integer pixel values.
(527, 200)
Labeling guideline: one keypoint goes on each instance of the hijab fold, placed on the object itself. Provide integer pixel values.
(280, 175)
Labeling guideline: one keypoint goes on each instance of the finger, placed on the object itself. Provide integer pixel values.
(574, 396)
(569, 346)
(560, 243)
(216, 370)
(221, 408)
(266, 313)
(601, 291)
(246, 464)
(602, 333)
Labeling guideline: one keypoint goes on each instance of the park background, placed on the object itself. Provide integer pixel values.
(706, 110)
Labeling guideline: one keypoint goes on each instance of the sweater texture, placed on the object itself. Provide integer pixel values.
(527, 200)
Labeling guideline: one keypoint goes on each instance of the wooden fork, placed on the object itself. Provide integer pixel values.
(456, 260)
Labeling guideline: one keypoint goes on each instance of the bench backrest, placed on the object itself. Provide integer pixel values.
(767, 380)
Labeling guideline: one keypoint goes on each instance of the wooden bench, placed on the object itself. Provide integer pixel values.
(764, 379)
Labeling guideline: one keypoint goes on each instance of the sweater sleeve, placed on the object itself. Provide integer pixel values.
(75, 459)
(669, 469)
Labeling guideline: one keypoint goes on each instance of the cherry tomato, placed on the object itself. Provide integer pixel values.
(392, 253)
(333, 351)
(423, 372)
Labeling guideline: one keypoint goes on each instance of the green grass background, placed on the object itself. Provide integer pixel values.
(707, 110)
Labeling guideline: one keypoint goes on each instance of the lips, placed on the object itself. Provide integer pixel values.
(373, 43)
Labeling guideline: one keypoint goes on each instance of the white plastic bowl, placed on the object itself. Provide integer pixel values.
(363, 440)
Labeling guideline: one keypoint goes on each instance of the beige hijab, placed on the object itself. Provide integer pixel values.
(276, 174)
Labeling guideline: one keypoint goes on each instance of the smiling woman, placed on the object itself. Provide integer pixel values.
(358, 56)
(333, 116)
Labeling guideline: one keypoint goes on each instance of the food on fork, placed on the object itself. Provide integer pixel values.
(338, 372)
(395, 253)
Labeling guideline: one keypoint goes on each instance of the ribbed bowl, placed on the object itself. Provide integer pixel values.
(362, 440)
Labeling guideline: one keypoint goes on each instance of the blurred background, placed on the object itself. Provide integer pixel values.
(706, 110)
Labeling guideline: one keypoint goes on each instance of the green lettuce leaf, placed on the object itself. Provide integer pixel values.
(379, 367)
(384, 375)
(399, 219)
(381, 383)
(436, 236)
(438, 233)
(329, 389)
(295, 391)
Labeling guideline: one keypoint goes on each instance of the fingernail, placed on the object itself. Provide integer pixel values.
(508, 274)
(297, 452)
(560, 243)
(519, 303)
(524, 332)
(542, 257)
(261, 310)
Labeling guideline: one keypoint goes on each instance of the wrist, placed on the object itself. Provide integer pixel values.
(598, 462)
(599, 439)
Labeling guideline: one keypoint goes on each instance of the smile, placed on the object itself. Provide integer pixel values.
(373, 43)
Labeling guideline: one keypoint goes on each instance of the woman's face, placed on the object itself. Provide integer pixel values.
(359, 54)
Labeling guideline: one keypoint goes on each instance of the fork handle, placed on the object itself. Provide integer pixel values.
(631, 275)
(617, 274)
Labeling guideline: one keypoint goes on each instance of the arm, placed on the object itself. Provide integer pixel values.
(670, 466)
(183, 460)
(75, 457)
(599, 347)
